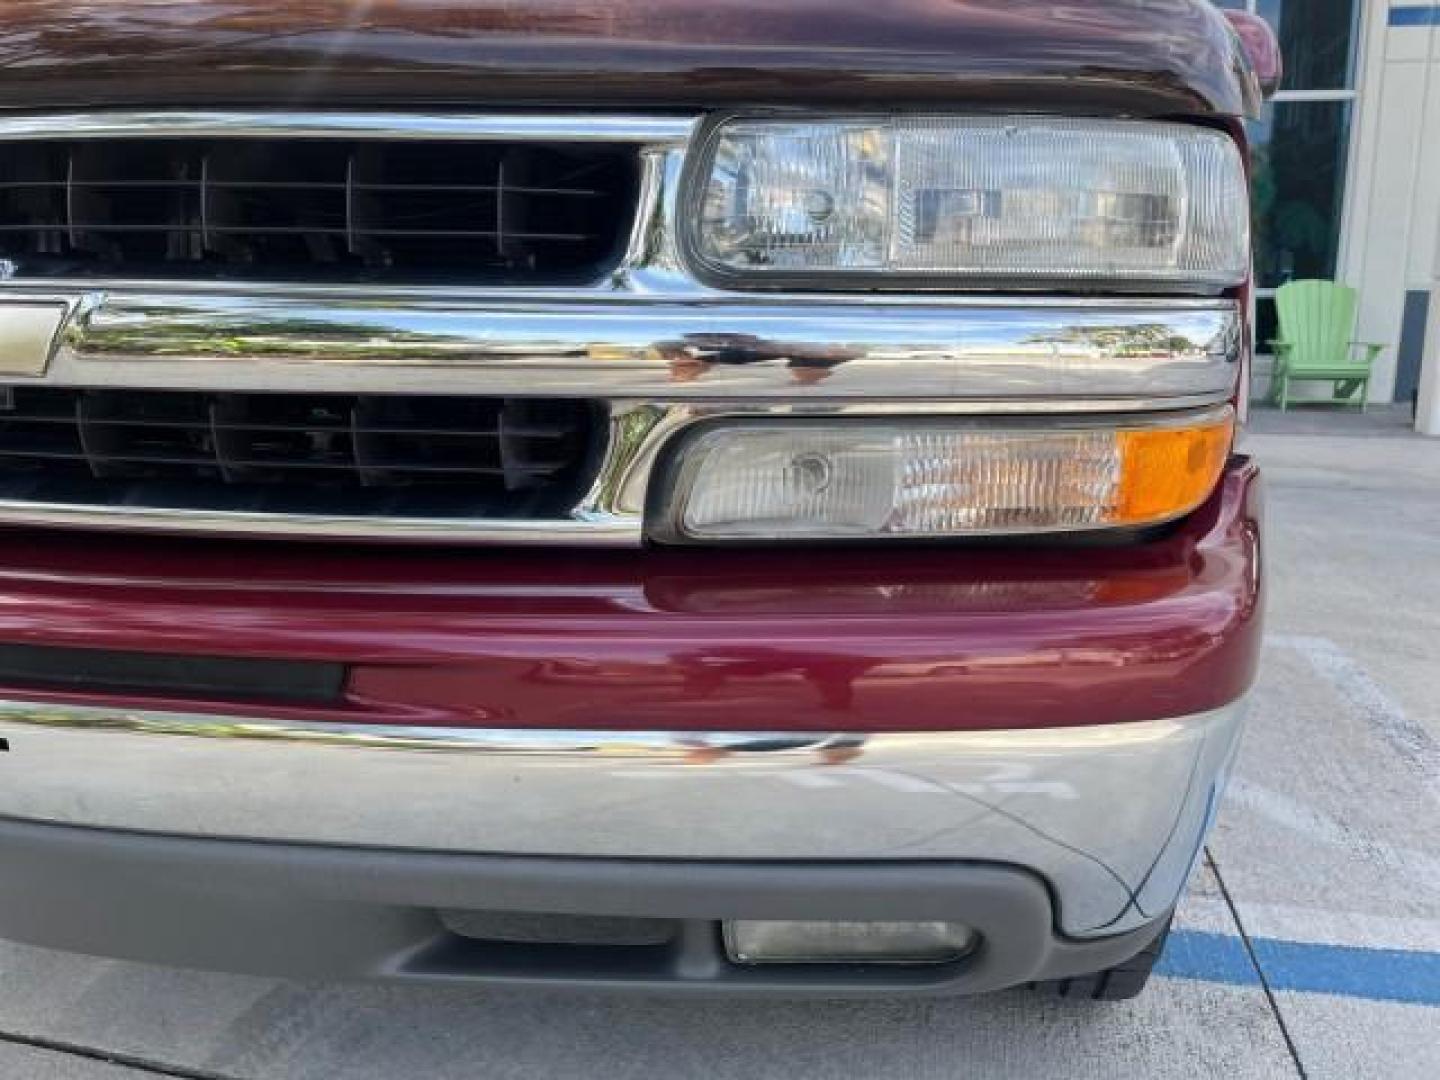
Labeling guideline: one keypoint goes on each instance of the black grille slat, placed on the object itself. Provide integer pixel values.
(297, 185)
(88, 227)
(536, 431)
(296, 453)
(328, 210)
(230, 463)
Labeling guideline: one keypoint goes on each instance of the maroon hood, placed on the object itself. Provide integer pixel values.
(1136, 56)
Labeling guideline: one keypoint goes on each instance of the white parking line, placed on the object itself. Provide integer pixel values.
(1415, 745)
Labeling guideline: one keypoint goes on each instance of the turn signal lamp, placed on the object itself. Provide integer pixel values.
(799, 479)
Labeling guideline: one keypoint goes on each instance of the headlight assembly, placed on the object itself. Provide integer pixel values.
(1003, 201)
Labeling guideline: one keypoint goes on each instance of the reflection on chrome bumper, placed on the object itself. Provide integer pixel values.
(1059, 355)
(1112, 817)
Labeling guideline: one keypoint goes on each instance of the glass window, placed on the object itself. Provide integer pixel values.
(1301, 147)
(1299, 184)
(1315, 40)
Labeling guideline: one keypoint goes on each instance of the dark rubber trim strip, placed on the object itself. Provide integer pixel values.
(109, 671)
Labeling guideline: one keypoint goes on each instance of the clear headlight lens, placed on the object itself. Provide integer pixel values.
(1018, 199)
(936, 478)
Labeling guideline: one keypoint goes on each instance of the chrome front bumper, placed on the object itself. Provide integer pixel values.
(1111, 817)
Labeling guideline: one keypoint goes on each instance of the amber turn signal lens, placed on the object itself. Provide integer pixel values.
(1168, 472)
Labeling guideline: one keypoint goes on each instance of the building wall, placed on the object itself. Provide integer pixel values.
(1391, 248)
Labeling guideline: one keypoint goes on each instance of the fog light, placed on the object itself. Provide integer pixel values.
(934, 478)
(771, 942)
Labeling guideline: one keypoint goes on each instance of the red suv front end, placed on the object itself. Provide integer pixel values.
(791, 546)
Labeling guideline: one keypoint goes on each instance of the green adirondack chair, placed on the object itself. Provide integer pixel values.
(1317, 321)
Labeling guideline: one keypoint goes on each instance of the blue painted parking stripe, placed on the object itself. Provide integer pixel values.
(1377, 974)
(1221, 958)
(1397, 975)
(1410, 15)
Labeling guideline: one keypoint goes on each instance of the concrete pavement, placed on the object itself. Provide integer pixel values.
(1309, 945)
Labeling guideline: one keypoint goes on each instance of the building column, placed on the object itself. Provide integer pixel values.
(1393, 226)
(1427, 406)
(1427, 402)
